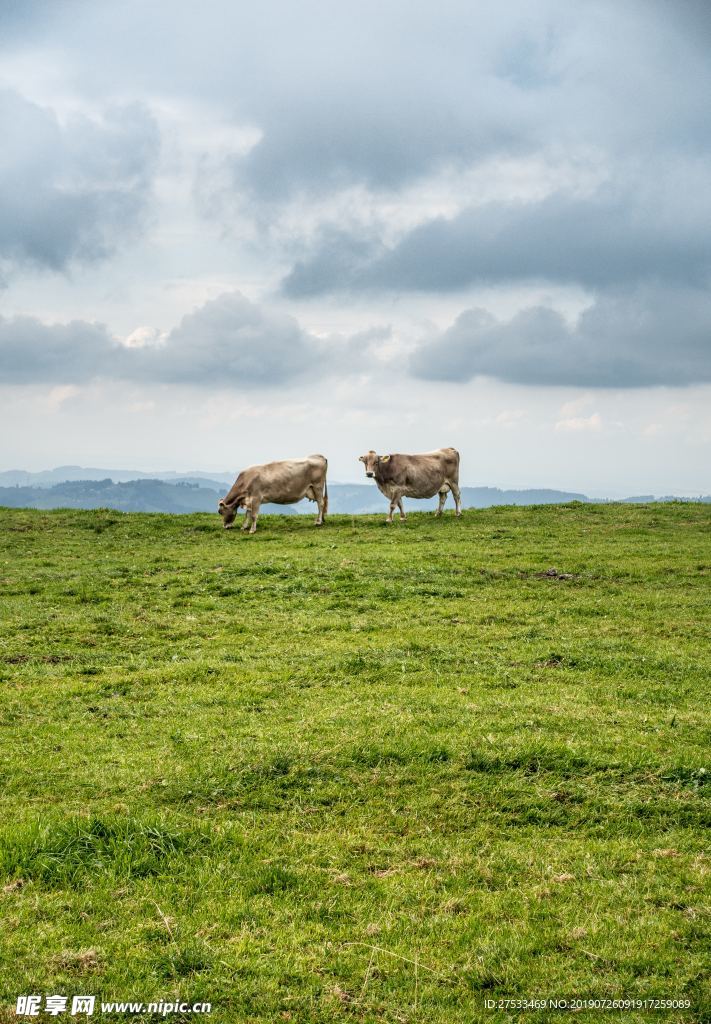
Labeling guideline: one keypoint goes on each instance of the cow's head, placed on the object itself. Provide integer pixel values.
(371, 460)
(228, 511)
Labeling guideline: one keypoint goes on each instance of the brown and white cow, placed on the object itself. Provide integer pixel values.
(415, 476)
(283, 483)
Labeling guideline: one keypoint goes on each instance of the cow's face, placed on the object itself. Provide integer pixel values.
(370, 461)
(228, 513)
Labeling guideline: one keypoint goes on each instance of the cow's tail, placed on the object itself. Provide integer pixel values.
(457, 457)
(325, 495)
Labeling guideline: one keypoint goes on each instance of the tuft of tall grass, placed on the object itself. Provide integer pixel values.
(76, 850)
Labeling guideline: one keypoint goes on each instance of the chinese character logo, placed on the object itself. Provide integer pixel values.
(83, 1004)
(28, 1006)
(54, 1005)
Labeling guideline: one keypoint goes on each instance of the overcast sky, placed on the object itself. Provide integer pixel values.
(233, 232)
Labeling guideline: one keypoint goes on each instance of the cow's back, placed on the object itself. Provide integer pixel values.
(442, 463)
(289, 480)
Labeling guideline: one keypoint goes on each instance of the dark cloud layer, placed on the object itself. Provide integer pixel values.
(230, 340)
(381, 138)
(637, 338)
(617, 235)
(631, 339)
(22, 19)
(33, 352)
(383, 94)
(227, 342)
(380, 97)
(71, 192)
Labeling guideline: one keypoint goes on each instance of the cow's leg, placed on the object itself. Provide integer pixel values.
(457, 499)
(247, 518)
(394, 499)
(255, 515)
(395, 503)
(321, 502)
(442, 499)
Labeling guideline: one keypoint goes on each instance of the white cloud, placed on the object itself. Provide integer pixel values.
(143, 337)
(576, 423)
(574, 406)
(510, 417)
(57, 396)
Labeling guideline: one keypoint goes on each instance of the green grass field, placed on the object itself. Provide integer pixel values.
(359, 773)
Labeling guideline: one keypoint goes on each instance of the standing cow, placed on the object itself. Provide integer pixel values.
(415, 476)
(280, 482)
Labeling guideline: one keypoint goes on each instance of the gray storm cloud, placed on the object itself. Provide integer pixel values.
(387, 96)
(384, 94)
(71, 191)
(624, 234)
(379, 99)
(33, 352)
(379, 136)
(637, 338)
(641, 338)
(229, 342)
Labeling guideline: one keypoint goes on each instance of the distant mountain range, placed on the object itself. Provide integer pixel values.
(62, 474)
(130, 491)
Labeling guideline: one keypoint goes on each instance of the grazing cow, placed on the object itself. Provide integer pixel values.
(415, 476)
(281, 482)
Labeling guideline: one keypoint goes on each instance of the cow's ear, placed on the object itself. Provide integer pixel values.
(385, 458)
(361, 458)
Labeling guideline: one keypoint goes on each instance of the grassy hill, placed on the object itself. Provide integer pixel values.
(358, 773)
